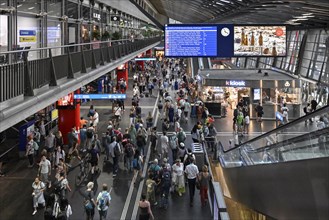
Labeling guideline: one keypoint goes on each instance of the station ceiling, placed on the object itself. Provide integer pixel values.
(298, 13)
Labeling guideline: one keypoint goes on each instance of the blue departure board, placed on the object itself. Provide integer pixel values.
(224, 40)
(198, 41)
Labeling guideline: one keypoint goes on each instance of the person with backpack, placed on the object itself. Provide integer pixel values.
(188, 158)
(150, 189)
(103, 201)
(154, 169)
(129, 155)
(165, 181)
(89, 201)
(115, 150)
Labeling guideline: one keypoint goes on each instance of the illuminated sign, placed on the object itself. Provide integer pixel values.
(145, 59)
(96, 15)
(235, 83)
(28, 39)
(27, 32)
(54, 114)
(287, 84)
(100, 96)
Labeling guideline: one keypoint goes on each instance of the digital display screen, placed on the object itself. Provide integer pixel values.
(66, 101)
(100, 96)
(224, 40)
(260, 41)
(256, 94)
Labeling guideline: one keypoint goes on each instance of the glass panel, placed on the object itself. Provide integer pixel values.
(54, 8)
(289, 143)
(71, 9)
(54, 36)
(32, 6)
(85, 13)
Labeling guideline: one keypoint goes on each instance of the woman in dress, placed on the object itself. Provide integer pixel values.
(204, 178)
(145, 209)
(178, 176)
(37, 194)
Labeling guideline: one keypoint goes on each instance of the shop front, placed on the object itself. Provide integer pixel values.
(223, 89)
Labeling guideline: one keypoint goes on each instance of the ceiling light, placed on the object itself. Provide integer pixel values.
(3, 3)
(226, 1)
(19, 6)
(30, 8)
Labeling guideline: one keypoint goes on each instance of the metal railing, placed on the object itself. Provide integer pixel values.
(22, 77)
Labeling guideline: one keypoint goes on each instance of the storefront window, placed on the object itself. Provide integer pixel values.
(85, 13)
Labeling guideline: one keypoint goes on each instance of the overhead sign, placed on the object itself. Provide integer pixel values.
(145, 59)
(27, 32)
(287, 84)
(54, 114)
(115, 18)
(100, 96)
(235, 83)
(28, 39)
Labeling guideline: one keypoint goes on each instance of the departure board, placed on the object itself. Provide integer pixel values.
(224, 40)
(198, 41)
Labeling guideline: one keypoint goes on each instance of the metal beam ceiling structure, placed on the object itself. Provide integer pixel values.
(295, 13)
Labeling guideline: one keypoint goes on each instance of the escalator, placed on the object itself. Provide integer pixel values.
(283, 173)
(195, 66)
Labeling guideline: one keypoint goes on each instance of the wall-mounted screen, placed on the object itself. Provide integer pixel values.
(260, 41)
(66, 101)
(197, 40)
(224, 40)
(257, 94)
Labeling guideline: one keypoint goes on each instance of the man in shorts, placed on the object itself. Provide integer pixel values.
(45, 170)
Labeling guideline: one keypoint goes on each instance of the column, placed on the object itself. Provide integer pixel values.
(68, 118)
(122, 73)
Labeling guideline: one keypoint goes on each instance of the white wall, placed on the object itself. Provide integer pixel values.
(3, 33)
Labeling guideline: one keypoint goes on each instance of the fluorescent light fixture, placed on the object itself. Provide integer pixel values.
(226, 1)
(19, 5)
(30, 8)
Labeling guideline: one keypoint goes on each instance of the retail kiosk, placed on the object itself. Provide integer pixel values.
(269, 88)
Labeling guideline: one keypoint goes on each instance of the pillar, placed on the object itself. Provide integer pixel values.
(68, 118)
(122, 73)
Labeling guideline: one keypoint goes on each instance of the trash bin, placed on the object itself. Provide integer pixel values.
(197, 150)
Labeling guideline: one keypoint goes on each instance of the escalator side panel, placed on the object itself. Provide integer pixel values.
(290, 190)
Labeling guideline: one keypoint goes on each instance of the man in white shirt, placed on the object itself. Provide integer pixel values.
(44, 169)
(164, 140)
(192, 172)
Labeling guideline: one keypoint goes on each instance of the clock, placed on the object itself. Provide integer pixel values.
(225, 31)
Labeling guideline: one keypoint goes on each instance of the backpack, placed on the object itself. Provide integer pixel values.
(58, 186)
(90, 133)
(173, 143)
(154, 172)
(239, 119)
(129, 150)
(181, 137)
(103, 201)
(166, 179)
(189, 159)
(117, 151)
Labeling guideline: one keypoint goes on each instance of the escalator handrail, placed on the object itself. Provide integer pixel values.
(317, 112)
(294, 139)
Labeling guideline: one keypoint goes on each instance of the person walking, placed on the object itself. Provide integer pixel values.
(89, 202)
(204, 178)
(37, 194)
(192, 172)
(285, 111)
(45, 170)
(178, 179)
(103, 202)
(29, 153)
(259, 112)
(145, 212)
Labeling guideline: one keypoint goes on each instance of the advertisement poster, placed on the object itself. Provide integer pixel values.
(67, 100)
(24, 131)
(260, 41)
